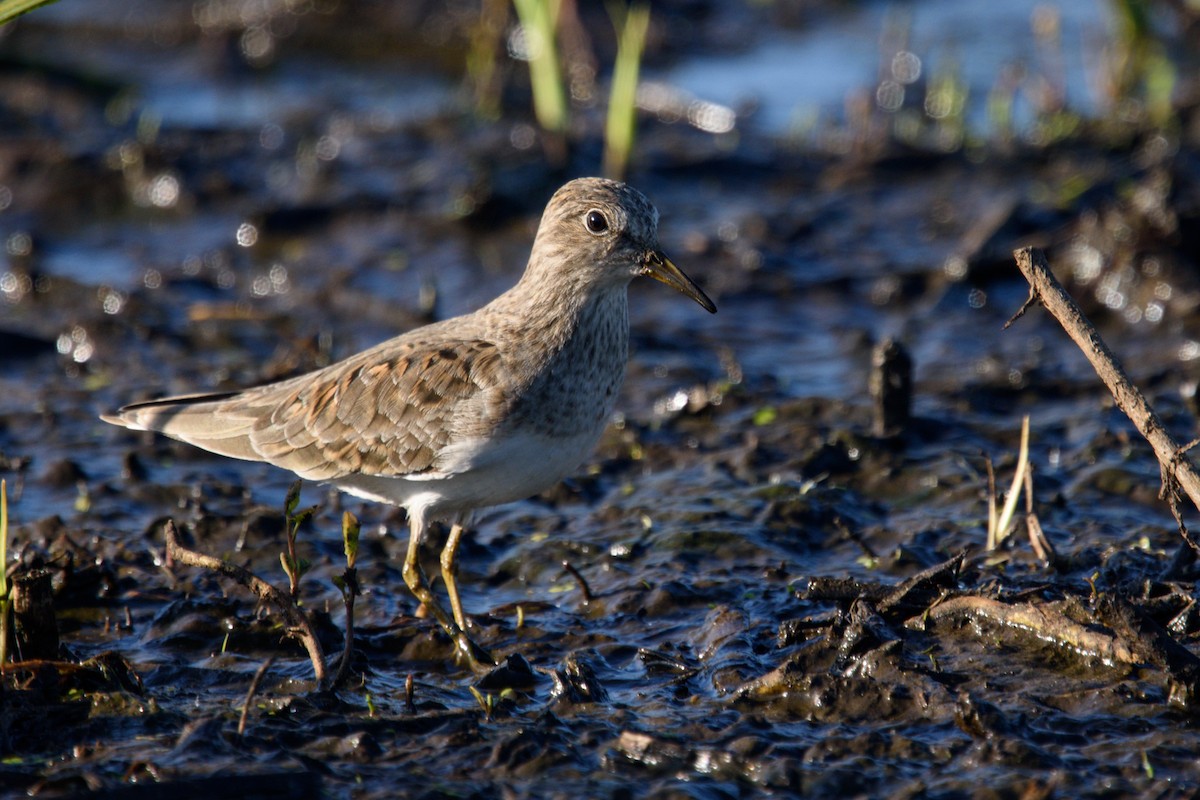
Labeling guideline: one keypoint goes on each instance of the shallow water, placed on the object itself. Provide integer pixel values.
(180, 217)
(792, 77)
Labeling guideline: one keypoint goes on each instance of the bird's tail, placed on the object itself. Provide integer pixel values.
(203, 420)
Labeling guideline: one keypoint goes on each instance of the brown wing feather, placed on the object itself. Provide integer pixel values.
(374, 417)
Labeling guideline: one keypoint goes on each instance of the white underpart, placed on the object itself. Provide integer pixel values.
(477, 473)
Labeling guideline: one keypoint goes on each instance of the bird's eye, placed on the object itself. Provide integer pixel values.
(595, 222)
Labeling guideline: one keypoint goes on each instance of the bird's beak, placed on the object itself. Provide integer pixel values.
(659, 267)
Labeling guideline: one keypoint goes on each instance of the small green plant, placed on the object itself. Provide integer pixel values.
(11, 9)
(487, 702)
(1139, 66)
(620, 126)
(539, 22)
(293, 566)
(539, 25)
(347, 583)
(350, 531)
(486, 43)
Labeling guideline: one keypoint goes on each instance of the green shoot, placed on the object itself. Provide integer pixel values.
(487, 702)
(350, 531)
(621, 123)
(539, 21)
(486, 41)
(293, 566)
(11, 9)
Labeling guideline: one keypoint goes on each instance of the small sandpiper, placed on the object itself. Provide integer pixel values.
(483, 409)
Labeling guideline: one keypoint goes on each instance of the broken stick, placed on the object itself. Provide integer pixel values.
(298, 625)
(1177, 470)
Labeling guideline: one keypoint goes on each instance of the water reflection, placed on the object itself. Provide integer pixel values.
(796, 76)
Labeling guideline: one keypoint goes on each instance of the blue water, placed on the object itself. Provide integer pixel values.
(791, 77)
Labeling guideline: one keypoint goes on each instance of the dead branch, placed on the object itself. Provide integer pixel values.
(1178, 472)
(298, 625)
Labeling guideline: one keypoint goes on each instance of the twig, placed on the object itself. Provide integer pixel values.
(1157, 645)
(1178, 472)
(298, 624)
(253, 690)
(583, 584)
(1042, 546)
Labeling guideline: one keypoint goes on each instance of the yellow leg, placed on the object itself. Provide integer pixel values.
(416, 579)
(449, 568)
(478, 658)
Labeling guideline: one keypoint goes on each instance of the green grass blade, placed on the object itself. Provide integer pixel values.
(539, 20)
(11, 9)
(621, 123)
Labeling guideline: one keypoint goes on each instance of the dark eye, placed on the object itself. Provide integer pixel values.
(596, 222)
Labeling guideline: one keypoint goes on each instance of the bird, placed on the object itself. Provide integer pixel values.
(466, 413)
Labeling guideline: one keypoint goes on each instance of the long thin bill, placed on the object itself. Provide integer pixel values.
(659, 267)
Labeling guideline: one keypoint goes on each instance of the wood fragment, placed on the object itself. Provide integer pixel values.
(298, 625)
(33, 614)
(1041, 544)
(1156, 644)
(1178, 472)
(1045, 622)
(891, 387)
(918, 592)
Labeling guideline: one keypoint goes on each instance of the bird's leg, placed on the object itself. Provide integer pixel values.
(449, 568)
(416, 579)
(478, 658)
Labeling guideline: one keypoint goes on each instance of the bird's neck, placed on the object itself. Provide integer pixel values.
(573, 357)
(554, 311)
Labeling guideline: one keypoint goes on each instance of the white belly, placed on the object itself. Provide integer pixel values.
(478, 473)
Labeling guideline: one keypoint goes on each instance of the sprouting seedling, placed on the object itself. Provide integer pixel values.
(487, 702)
(350, 531)
(347, 583)
(293, 566)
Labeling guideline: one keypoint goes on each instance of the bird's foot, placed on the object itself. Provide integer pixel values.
(475, 657)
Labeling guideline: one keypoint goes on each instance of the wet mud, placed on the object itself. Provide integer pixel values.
(754, 586)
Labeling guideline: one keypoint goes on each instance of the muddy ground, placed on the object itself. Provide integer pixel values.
(781, 598)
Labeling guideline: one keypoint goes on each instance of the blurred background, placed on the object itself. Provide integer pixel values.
(204, 194)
